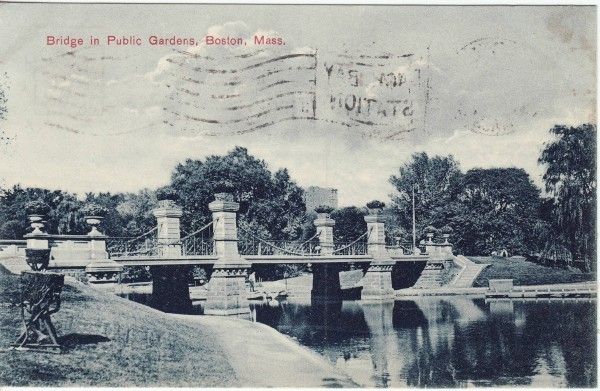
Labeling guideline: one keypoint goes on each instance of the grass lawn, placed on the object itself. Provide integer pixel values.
(110, 342)
(524, 272)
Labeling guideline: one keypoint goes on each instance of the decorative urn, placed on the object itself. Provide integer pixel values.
(323, 211)
(36, 212)
(93, 215)
(446, 231)
(375, 207)
(430, 232)
(167, 197)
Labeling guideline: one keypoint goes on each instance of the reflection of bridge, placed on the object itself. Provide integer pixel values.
(218, 244)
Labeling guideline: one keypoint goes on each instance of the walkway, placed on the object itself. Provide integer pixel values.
(263, 357)
(469, 273)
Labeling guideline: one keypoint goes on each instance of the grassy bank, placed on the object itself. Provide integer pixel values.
(524, 272)
(110, 342)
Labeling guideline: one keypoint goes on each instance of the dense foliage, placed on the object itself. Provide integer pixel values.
(570, 179)
(500, 208)
(125, 214)
(484, 210)
(93, 209)
(349, 223)
(375, 204)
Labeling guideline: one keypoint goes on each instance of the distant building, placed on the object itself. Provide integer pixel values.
(315, 196)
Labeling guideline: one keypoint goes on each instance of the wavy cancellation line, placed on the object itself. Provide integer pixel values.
(248, 117)
(228, 81)
(244, 105)
(274, 60)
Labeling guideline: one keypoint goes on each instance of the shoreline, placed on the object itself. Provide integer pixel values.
(112, 341)
(312, 369)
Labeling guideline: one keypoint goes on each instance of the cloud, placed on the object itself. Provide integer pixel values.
(533, 81)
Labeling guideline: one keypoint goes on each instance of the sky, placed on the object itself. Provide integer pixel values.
(484, 84)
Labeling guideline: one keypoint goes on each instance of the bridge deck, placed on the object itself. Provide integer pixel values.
(257, 259)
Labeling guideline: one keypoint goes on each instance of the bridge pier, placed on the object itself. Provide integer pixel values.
(377, 282)
(326, 282)
(227, 286)
(170, 290)
(326, 277)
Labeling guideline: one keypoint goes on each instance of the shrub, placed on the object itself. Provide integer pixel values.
(430, 229)
(12, 229)
(446, 230)
(37, 258)
(324, 209)
(94, 209)
(375, 204)
(166, 193)
(224, 186)
(37, 208)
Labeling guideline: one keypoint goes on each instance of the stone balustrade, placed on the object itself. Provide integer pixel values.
(12, 248)
(77, 252)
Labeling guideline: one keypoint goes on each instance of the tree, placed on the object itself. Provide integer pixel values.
(349, 223)
(434, 180)
(570, 179)
(271, 204)
(63, 217)
(12, 229)
(136, 212)
(495, 209)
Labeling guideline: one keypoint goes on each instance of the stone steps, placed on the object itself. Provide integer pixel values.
(469, 273)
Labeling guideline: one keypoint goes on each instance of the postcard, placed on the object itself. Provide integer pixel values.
(287, 195)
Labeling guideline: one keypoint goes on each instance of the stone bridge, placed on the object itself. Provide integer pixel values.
(227, 286)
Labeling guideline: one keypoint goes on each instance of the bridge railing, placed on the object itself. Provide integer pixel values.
(278, 247)
(350, 248)
(399, 249)
(197, 246)
(124, 246)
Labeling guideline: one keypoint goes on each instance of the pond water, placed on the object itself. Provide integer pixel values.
(446, 342)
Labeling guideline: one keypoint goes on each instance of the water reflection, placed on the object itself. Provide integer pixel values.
(449, 342)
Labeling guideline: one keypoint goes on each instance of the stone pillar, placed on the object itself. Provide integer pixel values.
(439, 264)
(100, 270)
(168, 215)
(376, 235)
(227, 287)
(326, 277)
(432, 275)
(325, 225)
(377, 282)
(170, 290)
